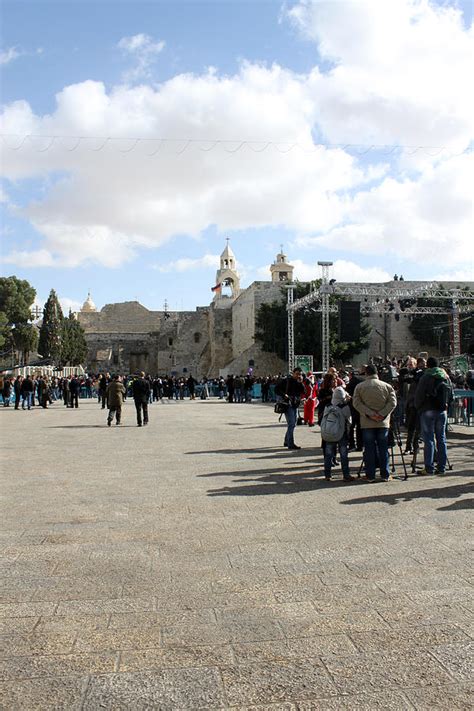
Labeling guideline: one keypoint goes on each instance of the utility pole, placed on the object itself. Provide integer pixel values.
(324, 291)
(291, 328)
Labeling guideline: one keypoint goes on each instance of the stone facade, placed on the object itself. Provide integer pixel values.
(219, 338)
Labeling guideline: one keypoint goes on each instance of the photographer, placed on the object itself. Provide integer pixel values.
(291, 391)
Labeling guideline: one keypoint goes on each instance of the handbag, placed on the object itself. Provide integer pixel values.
(281, 407)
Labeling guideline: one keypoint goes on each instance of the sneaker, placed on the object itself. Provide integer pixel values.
(371, 481)
(425, 472)
(440, 472)
(387, 478)
(328, 478)
(349, 478)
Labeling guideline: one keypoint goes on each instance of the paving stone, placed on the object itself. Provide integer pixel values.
(43, 694)
(117, 639)
(18, 645)
(458, 659)
(387, 699)
(361, 673)
(56, 665)
(177, 656)
(424, 637)
(98, 607)
(332, 624)
(285, 650)
(164, 689)
(456, 697)
(27, 609)
(274, 682)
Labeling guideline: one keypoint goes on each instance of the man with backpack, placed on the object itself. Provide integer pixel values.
(433, 397)
(375, 400)
(335, 427)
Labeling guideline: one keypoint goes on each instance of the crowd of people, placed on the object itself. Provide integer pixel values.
(361, 410)
(355, 409)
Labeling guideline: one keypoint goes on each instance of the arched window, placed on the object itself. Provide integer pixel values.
(197, 338)
(170, 341)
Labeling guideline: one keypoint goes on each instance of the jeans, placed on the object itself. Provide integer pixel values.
(291, 415)
(375, 441)
(433, 425)
(26, 398)
(330, 451)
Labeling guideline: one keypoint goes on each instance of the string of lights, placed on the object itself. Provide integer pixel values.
(42, 143)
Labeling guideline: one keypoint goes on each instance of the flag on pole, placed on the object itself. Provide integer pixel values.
(217, 287)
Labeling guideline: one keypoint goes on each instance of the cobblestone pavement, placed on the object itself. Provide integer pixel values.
(195, 564)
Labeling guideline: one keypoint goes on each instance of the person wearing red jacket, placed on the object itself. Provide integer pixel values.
(311, 399)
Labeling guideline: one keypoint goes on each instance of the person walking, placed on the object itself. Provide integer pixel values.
(6, 392)
(311, 399)
(17, 391)
(74, 391)
(115, 396)
(375, 400)
(141, 393)
(27, 388)
(433, 396)
(291, 390)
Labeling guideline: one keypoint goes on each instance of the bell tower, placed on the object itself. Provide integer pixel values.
(227, 275)
(280, 269)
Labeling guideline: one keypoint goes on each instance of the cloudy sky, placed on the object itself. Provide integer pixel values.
(137, 136)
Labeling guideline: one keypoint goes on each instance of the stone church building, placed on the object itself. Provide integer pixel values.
(215, 339)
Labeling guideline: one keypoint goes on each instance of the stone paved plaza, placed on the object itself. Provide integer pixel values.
(195, 564)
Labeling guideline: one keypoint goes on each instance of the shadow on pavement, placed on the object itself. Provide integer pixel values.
(82, 427)
(444, 492)
(280, 484)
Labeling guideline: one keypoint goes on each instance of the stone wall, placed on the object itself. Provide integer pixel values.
(245, 310)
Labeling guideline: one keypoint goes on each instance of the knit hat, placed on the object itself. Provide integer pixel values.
(339, 396)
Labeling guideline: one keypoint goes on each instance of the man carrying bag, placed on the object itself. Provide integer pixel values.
(290, 390)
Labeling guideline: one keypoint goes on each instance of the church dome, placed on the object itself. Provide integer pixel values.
(88, 304)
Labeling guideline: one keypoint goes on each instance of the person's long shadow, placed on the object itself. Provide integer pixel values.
(253, 472)
(238, 452)
(444, 492)
(82, 427)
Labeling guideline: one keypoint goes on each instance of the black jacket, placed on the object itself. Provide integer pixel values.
(291, 387)
(141, 390)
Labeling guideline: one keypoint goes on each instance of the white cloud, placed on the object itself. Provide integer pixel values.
(401, 76)
(428, 220)
(342, 270)
(400, 71)
(208, 261)
(143, 50)
(9, 55)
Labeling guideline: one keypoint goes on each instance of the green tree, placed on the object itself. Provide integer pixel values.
(16, 299)
(73, 342)
(272, 322)
(25, 340)
(49, 345)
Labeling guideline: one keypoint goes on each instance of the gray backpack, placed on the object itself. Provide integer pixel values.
(333, 424)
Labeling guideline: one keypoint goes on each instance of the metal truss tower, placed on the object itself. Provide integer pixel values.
(291, 327)
(324, 291)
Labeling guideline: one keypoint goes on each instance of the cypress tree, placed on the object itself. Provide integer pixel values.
(74, 346)
(50, 338)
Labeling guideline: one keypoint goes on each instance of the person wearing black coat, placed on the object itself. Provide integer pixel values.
(291, 391)
(141, 395)
(17, 391)
(74, 391)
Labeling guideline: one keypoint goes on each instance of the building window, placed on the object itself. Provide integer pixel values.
(197, 338)
(170, 341)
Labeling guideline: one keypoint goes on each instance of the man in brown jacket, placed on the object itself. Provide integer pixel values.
(115, 395)
(375, 400)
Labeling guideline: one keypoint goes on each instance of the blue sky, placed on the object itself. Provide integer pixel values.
(128, 225)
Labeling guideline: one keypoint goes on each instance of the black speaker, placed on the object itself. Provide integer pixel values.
(349, 321)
